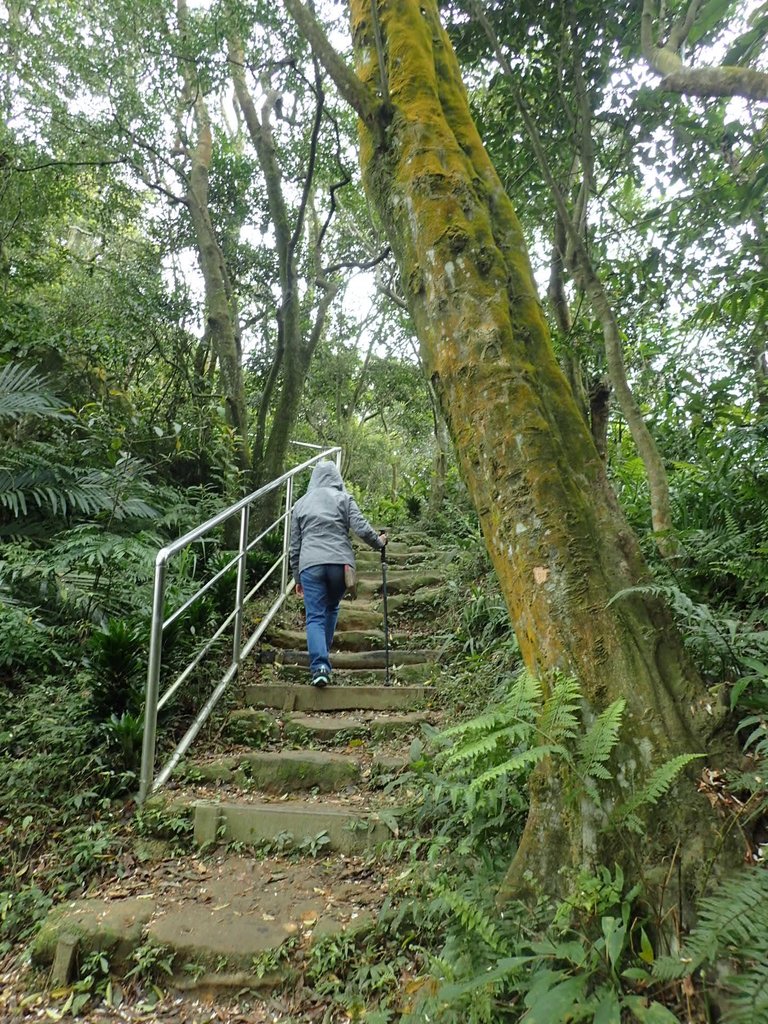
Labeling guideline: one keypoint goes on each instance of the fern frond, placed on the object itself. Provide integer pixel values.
(657, 785)
(473, 918)
(595, 746)
(481, 724)
(733, 924)
(559, 718)
(749, 1003)
(24, 392)
(514, 764)
(471, 752)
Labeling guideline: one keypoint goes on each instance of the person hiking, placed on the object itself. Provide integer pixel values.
(320, 549)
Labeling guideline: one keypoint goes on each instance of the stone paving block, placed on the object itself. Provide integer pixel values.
(326, 728)
(113, 927)
(338, 698)
(347, 829)
(207, 935)
(359, 659)
(400, 582)
(400, 675)
(395, 725)
(285, 771)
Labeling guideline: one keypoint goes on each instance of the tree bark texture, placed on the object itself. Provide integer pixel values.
(559, 544)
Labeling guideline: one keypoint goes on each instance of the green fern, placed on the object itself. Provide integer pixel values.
(524, 759)
(495, 735)
(624, 815)
(733, 927)
(594, 748)
(24, 392)
(472, 917)
(560, 719)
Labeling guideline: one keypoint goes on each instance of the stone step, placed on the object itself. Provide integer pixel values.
(280, 771)
(355, 659)
(347, 829)
(399, 675)
(344, 640)
(235, 914)
(356, 615)
(292, 697)
(426, 597)
(328, 729)
(395, 547)
(372, 559)
(400, 582)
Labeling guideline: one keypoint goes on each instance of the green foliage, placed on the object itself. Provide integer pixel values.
(23, 392)
(728, 947)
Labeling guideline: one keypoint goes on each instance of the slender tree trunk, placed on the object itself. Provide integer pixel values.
(293, 356)
(589, 280)
(560, 547)
(222, 317)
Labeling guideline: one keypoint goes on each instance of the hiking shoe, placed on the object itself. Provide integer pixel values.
(320, 680)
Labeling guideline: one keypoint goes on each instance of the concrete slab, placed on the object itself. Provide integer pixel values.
(348, 830)
(205, 935)
(282, 771)
(114, 927)
(344, 640)
(360, 659)
(404, 582)
(401, 676)
(298, 727)
(338, 698)
(354, 616)
(395, 725)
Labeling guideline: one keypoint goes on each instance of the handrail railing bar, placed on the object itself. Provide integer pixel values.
(240, 586)
(189, 669)
(153, 683)
(263, 579)
(238, 557)
(199, 722)
(256, 636)
(286, 533)
(195, 728)
(306, 444)
(264, 533)
(181, 542)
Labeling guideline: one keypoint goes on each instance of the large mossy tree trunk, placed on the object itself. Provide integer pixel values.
(559, 544)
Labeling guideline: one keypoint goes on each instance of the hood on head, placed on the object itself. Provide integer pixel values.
(326, 474)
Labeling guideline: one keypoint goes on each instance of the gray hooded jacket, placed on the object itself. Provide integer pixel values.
(322, 520)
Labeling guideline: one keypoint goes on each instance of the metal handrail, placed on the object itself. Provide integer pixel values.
(149, 781)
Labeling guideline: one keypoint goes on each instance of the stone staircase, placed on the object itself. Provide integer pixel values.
(295, 769)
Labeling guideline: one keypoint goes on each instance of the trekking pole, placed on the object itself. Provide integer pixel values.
(386, 626)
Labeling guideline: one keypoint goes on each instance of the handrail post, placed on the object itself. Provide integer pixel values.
(240, 592)
(287, 531)
(153, 681)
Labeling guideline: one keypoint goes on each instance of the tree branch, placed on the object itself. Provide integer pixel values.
(365, 104)
(310, 175)
(665, 60)
(359, 264)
